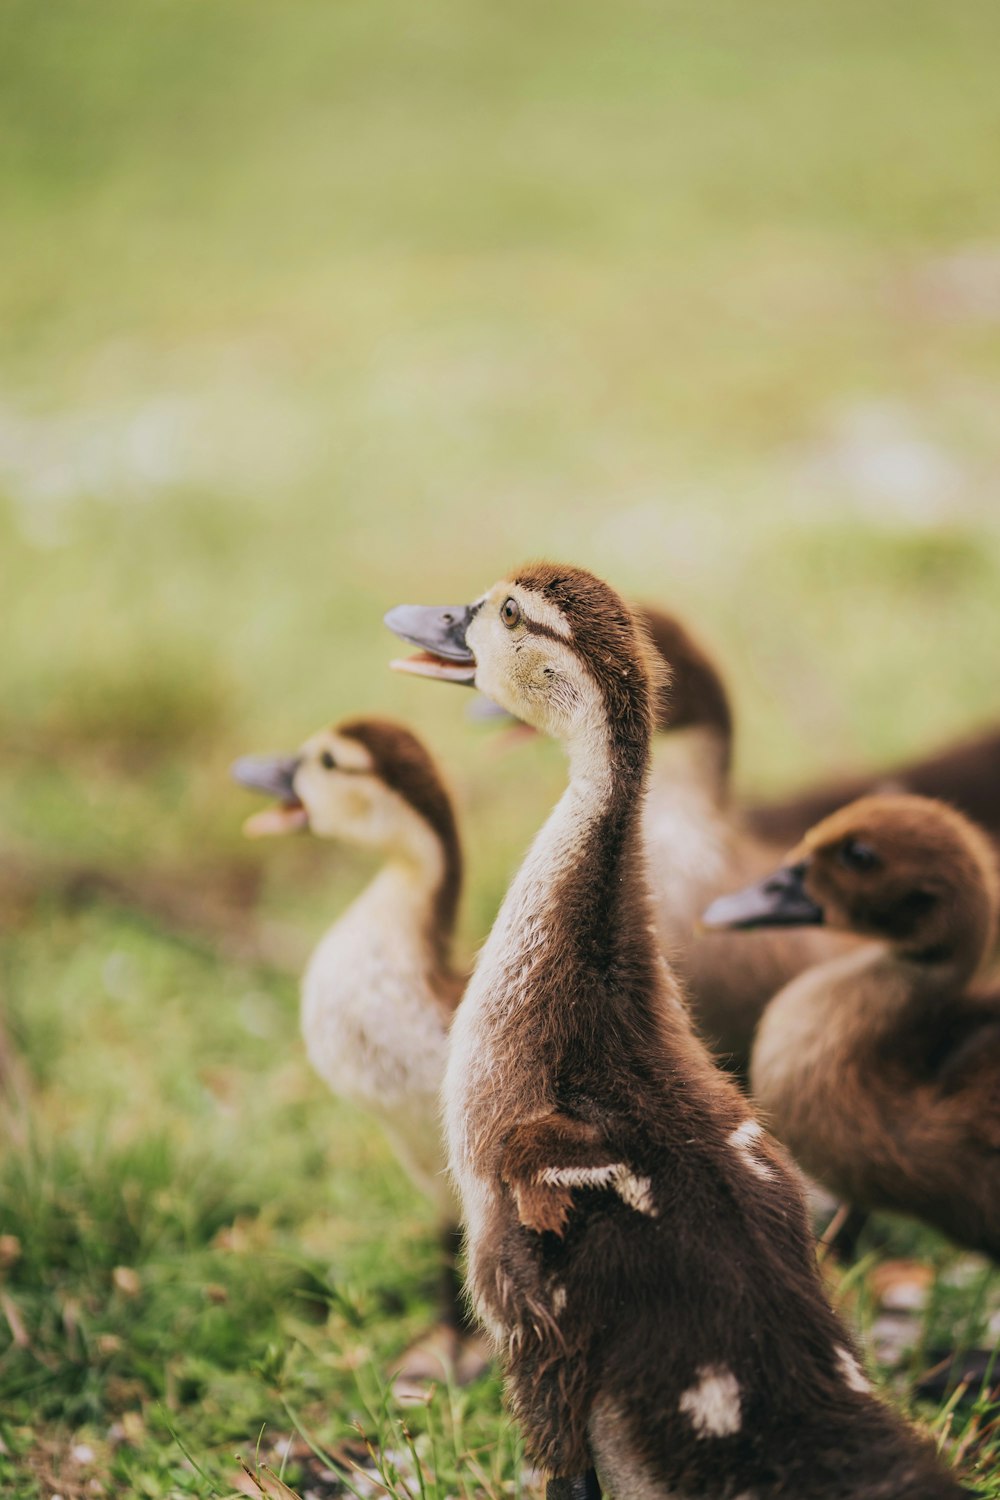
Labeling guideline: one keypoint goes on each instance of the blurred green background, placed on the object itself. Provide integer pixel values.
(312, 308)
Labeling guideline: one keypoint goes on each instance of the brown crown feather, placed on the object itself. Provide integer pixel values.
(614, 643)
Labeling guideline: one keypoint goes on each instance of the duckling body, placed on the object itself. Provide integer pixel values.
(880, 1070)
(637, 1246)
(887, 1106)
(375, 1023)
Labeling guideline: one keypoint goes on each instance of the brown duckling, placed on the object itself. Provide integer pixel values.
(380, 990)
(637, 1246)
(880, 1070)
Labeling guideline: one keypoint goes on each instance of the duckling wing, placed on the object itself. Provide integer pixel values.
(544, 1159)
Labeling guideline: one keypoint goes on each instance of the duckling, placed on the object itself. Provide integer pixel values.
(880, 1070)
(637, 1246)
(380, 991)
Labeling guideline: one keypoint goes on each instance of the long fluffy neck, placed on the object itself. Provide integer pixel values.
(579, 898)
(598, 898)
(411, 902)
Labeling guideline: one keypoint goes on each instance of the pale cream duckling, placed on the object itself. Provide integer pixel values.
(880, 1070)
(379, 992)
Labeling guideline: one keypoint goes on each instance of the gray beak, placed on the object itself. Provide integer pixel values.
(439, 633)
(274, 775)
(780, 900)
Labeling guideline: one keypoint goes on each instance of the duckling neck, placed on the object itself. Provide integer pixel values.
(956, 954)
(405, 915)
(375, 1010)
(421, 882)
(582, 874)
(596, 898)
(405, 890)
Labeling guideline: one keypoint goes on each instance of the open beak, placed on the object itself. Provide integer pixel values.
(440, 635)
(780, 900)
(274, 775)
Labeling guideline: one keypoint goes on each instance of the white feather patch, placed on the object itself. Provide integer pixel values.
(852, 1372)
(637, 1192)
(743, 1140)
(581, 1176)
(713, 1405)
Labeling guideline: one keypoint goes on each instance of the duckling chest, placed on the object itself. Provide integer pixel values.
(372, 1025)
(813, 1073)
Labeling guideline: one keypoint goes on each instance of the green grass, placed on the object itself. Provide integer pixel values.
(316, 308)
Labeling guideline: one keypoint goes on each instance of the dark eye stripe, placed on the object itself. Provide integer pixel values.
(328, 763)
(537, 628)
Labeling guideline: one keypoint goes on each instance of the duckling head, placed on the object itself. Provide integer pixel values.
(368, 782)
(553, 645)
(905, 869)
(691, 693)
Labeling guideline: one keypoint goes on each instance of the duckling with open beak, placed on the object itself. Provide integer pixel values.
(379, 992)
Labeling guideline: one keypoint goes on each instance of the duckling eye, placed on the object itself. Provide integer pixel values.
(510, 613)
(857, 855)
(327, 761)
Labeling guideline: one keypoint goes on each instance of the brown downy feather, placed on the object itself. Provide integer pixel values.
(882, 1072)
(965, 774)
(638, 1247)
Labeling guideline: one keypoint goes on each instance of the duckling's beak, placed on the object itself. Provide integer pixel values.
(440, 634)
(780, 900)
(275, 776)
